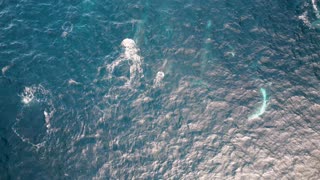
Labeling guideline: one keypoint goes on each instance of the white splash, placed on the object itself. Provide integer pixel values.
(33, 93)
(157, 81)
(28, 95)
(130, 54)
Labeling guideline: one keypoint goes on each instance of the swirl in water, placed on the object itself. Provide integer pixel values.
(67, 27)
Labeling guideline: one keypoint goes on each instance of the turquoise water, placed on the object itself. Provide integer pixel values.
(148, 89)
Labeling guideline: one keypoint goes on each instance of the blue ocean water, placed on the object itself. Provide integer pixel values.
(149, 89)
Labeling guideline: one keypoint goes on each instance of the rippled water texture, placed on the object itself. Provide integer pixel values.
(150, 89)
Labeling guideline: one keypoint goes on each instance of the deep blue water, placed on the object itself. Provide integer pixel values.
(152, 89)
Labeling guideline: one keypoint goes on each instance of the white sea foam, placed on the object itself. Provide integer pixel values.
(304, 18)
(315, 8)
(28, 95)
(33, 93)
(47, 116)
(26, 140)
(157, 81)
(130, 54)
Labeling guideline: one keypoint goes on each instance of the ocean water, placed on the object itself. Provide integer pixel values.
(150, 89)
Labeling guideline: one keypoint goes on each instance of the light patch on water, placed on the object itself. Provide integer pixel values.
(305, 19)
(5, 69)
(230, 53)
(130, 54)
(33, 93)
(166, 67)
(73, 82)
(159, 77)
(67, 28)
(139, 37)
(315, 8)
(28, 94)
(263, 107)
(201, 141)
(131, 50)
(47, 116)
